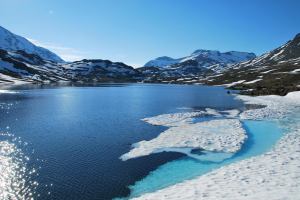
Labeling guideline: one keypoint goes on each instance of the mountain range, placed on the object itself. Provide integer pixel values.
(199, 62)
(275, 72)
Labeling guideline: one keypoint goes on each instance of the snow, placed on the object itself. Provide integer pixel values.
(207, 58)
(276, 107)
(10, 67)
(9, 79)
(233, 83)
(251, 82)
(12, 42)
(268, 71)
(295, 71)
(161, 62)
(172, 119)
(273, 175)
(220, 135)
(275, 56)
(231, 113)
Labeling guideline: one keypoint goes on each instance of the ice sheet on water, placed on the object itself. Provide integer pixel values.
(219, 135)
(272, 175)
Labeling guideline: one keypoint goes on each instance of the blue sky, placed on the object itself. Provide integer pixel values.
(135, 31)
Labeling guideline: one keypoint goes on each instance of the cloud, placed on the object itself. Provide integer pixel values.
(66, 53)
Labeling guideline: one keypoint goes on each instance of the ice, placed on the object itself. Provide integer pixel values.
(220, 135)
(272, 175)
(172, 119)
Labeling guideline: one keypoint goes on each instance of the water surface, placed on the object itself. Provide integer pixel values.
(72, 137)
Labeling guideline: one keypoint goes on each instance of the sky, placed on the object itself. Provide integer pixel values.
(136, 31)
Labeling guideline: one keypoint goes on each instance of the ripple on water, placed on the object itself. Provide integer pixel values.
(17, 179)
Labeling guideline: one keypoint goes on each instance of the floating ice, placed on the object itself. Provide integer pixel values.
(220, 135)
(273, 175)
(174, 119)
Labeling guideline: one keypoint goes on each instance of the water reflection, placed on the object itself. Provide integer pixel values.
(17, 179)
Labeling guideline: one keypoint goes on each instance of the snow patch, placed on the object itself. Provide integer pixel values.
(251, 82)
(234, 83)
(273, 175)
(220, 135)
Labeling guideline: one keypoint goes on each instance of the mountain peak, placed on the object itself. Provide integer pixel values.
(164, 58)
(297, 36)
(205, 51)
(12, 42)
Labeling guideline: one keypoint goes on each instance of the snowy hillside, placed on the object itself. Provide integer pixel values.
(12, 42)
(205, 57)
(23, 62)
(275, 72)
(97, 70)
(163, 61)
(200, 62)
(20, 67)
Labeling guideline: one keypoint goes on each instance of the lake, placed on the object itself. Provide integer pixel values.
(65, 142)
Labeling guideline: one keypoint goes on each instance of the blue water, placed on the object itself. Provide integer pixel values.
(74, 136)
(262, 135)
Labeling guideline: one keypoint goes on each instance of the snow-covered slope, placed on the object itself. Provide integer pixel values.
(205, 57)
(97, 70)
(275, 72)
(19, 66)
(163, 61)
(13, 42)
(22, 62)
(199, 63)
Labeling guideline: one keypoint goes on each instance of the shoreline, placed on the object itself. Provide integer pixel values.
(250, 91)
(273, 175)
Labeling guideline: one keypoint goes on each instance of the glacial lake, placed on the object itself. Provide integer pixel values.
(65, 142)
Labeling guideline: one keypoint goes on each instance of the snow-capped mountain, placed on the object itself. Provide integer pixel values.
(13, 42)
(97, 70)
(162, 62)
(21, 61)
(205, 58)
(197, 64)
(275, 72)
(19, 66)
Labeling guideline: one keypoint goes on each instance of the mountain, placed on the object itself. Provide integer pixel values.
(23, 62)
(200, 62)
(275, 72)
(12, 42)
(97, 70)
(20, 67)
(205, 58)
(162, 62)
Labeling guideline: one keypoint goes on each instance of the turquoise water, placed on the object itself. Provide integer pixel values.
(75, 135)
(262, 135)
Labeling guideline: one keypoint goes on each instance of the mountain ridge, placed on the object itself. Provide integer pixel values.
(274, 72)
(12, 42)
